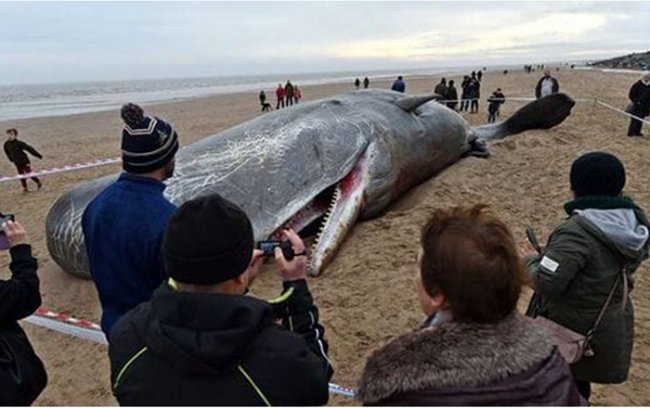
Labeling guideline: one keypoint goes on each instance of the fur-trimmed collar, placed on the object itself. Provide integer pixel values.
(453, 355)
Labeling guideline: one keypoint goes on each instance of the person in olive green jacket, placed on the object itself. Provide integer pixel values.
(583, 259)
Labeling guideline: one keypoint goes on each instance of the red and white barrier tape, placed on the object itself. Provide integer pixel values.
(65, 324)
(74, 167)
(88, 330)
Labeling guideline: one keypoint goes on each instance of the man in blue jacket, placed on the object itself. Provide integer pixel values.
(399, 85)
(124, 225)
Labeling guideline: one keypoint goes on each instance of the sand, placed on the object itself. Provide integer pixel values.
(366, 295)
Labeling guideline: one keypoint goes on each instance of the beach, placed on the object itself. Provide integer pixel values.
(366, 296)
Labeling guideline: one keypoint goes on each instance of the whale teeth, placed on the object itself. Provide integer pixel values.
(336, 197)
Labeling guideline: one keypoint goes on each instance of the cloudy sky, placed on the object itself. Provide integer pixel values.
(83, 41)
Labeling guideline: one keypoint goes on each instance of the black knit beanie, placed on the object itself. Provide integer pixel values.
(148, 143)
(208, 240)
(597, 174)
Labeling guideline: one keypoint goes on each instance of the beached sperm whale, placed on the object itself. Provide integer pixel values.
(333, 161)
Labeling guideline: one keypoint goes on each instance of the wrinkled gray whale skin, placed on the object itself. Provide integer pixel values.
(341, 159)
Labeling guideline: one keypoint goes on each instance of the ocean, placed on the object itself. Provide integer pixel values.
(39, 100)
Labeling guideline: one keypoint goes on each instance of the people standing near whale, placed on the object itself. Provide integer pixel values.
(441, 89)
(398, 85)
(124, 225)
(546, 85)
(15, 151)
(474, 94)
(464, 101)
(474, 348)
(452, 96)
(262, 97)
(494, 104)
(288, 94)
(201, 341)
(366, 82)
(589, 258)
(640, 99)
(479, 75)
(297, 94)
(357, 83)
(279, 96)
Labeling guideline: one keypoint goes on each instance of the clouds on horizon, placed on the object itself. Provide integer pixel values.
(53, 42)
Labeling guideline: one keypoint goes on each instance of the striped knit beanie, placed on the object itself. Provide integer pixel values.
(148, 143)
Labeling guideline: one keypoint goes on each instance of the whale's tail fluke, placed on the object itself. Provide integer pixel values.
(543, 113)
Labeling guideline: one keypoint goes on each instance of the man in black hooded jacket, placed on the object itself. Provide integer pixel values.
(200, 341)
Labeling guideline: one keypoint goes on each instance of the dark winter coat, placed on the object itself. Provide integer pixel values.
(19, 298)
(495, 101)
(640, 95)
(442, 90)
(473, 90)
(15, 151)
(464, 87)
(508, 363)
(189, 349)
(398, 86)
(452, 94)
(538, 88)
(582, 260)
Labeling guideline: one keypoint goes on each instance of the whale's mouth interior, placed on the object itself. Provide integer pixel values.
(311, 219)
(308, 220)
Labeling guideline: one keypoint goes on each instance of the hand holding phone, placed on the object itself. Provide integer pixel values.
(11, 232)
(268, 247)
(296, 267)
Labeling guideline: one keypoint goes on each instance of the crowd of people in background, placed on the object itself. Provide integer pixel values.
(470, 96)
(285, 96)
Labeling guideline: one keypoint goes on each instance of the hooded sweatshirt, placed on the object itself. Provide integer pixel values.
(585, 257)
(193, 349)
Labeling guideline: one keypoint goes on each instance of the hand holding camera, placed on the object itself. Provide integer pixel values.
(291, 262)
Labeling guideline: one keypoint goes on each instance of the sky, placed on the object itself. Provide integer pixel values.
(49, 42)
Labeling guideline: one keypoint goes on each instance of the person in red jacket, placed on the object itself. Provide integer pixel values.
(15, 151)
(279, 95)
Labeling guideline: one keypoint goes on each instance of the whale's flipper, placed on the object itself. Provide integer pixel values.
(543, 113)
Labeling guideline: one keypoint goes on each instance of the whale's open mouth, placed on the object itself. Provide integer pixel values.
(331, 213)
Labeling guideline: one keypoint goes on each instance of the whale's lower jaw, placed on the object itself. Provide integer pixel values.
(347, 203)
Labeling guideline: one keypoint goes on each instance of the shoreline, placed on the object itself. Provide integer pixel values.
(190, 93)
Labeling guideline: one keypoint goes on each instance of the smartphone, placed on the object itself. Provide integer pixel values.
(268, 247)
(4, 242)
